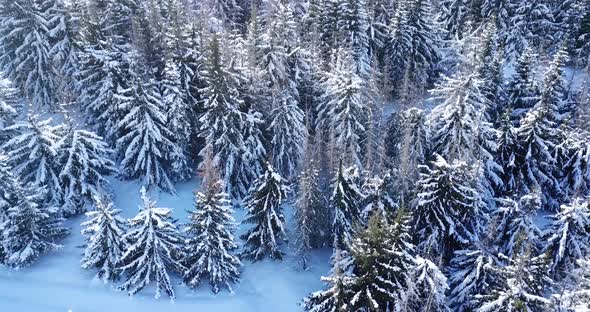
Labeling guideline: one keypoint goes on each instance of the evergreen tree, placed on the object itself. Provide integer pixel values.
(154, 248)
(222, 123)
(104, 240)
(406, 146)
(378, 198)
(84, 159)
(352, 34)
(144, 149)
(521, 91)
(339, 293)
(567, 239)
(383, 258)
(414, 46)
(536, 138)
(9, 105)
(311, 212)
(104, 70)
(515, 228)
(553, 92)
(500, 12)
(576, 178)
(345, 202)
(178, 114)
(449, 211)
(506, 154)
(523, 282)
(490, 70)
(531, 25)
(32, 152)
(454, 18)
(343, 114)
(210, 240)
(31, 229)
(473, 272)
(264, 211)
(26, 39)
(428, 285)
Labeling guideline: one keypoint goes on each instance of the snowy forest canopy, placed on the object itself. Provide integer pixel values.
(418, 139)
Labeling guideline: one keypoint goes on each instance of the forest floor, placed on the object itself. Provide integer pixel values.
(57, 283)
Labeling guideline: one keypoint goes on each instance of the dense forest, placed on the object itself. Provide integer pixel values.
(420, 140)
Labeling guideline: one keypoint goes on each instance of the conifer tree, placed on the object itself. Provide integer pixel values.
(339, 293)
(105, 245)
(378, 198)
(9, 105)
(427, 287)
(210, 242)
(85, 160)
(153, 249)
(536, 138)
(345, 202)
(31, 228)
(264, 202)
(178, 114)
(553, 92)
(104, 68)
(523, 282)
(383, 258)
(343, 113)
(414, 46)
(144, 149)
(33, 154)
(576, 170)
(352, 33)
(506, 154)
(449, 212)
(515, 229)
(567, 239)
(26, 39)
(531, 25)
(473, 272)
(222, 123)
(521, 91)
(311, 212)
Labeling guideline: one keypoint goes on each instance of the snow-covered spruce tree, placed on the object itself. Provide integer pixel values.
(31, 228)
(222, 123)
(383, 257)
(413, 47)
(506, 154)
(536, 139)
(104, 70)
(454, 18)
(500, 12)
(105, 245)
(85, 160)
(26, 39)
(288, 135)
(576, 170)
(521, 92)
(531, 25)
(449, 211)
(472, 273)
(378, 198)
(345, 202)
(311, 214)
(145, 146)
(178, 116)
(263, 202)
(553, 91)
(210, 242)
(514, 224)
(352, 26)
(567, 239)
(343, 113)
(426, 289)
(251, 166)
(9, 105)
(522, 284)
(406, 146)
(339, 293)
(153, 248)
(32, 153)
(490, 70)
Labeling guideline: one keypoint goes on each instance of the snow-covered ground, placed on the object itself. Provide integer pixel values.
(56, 283)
